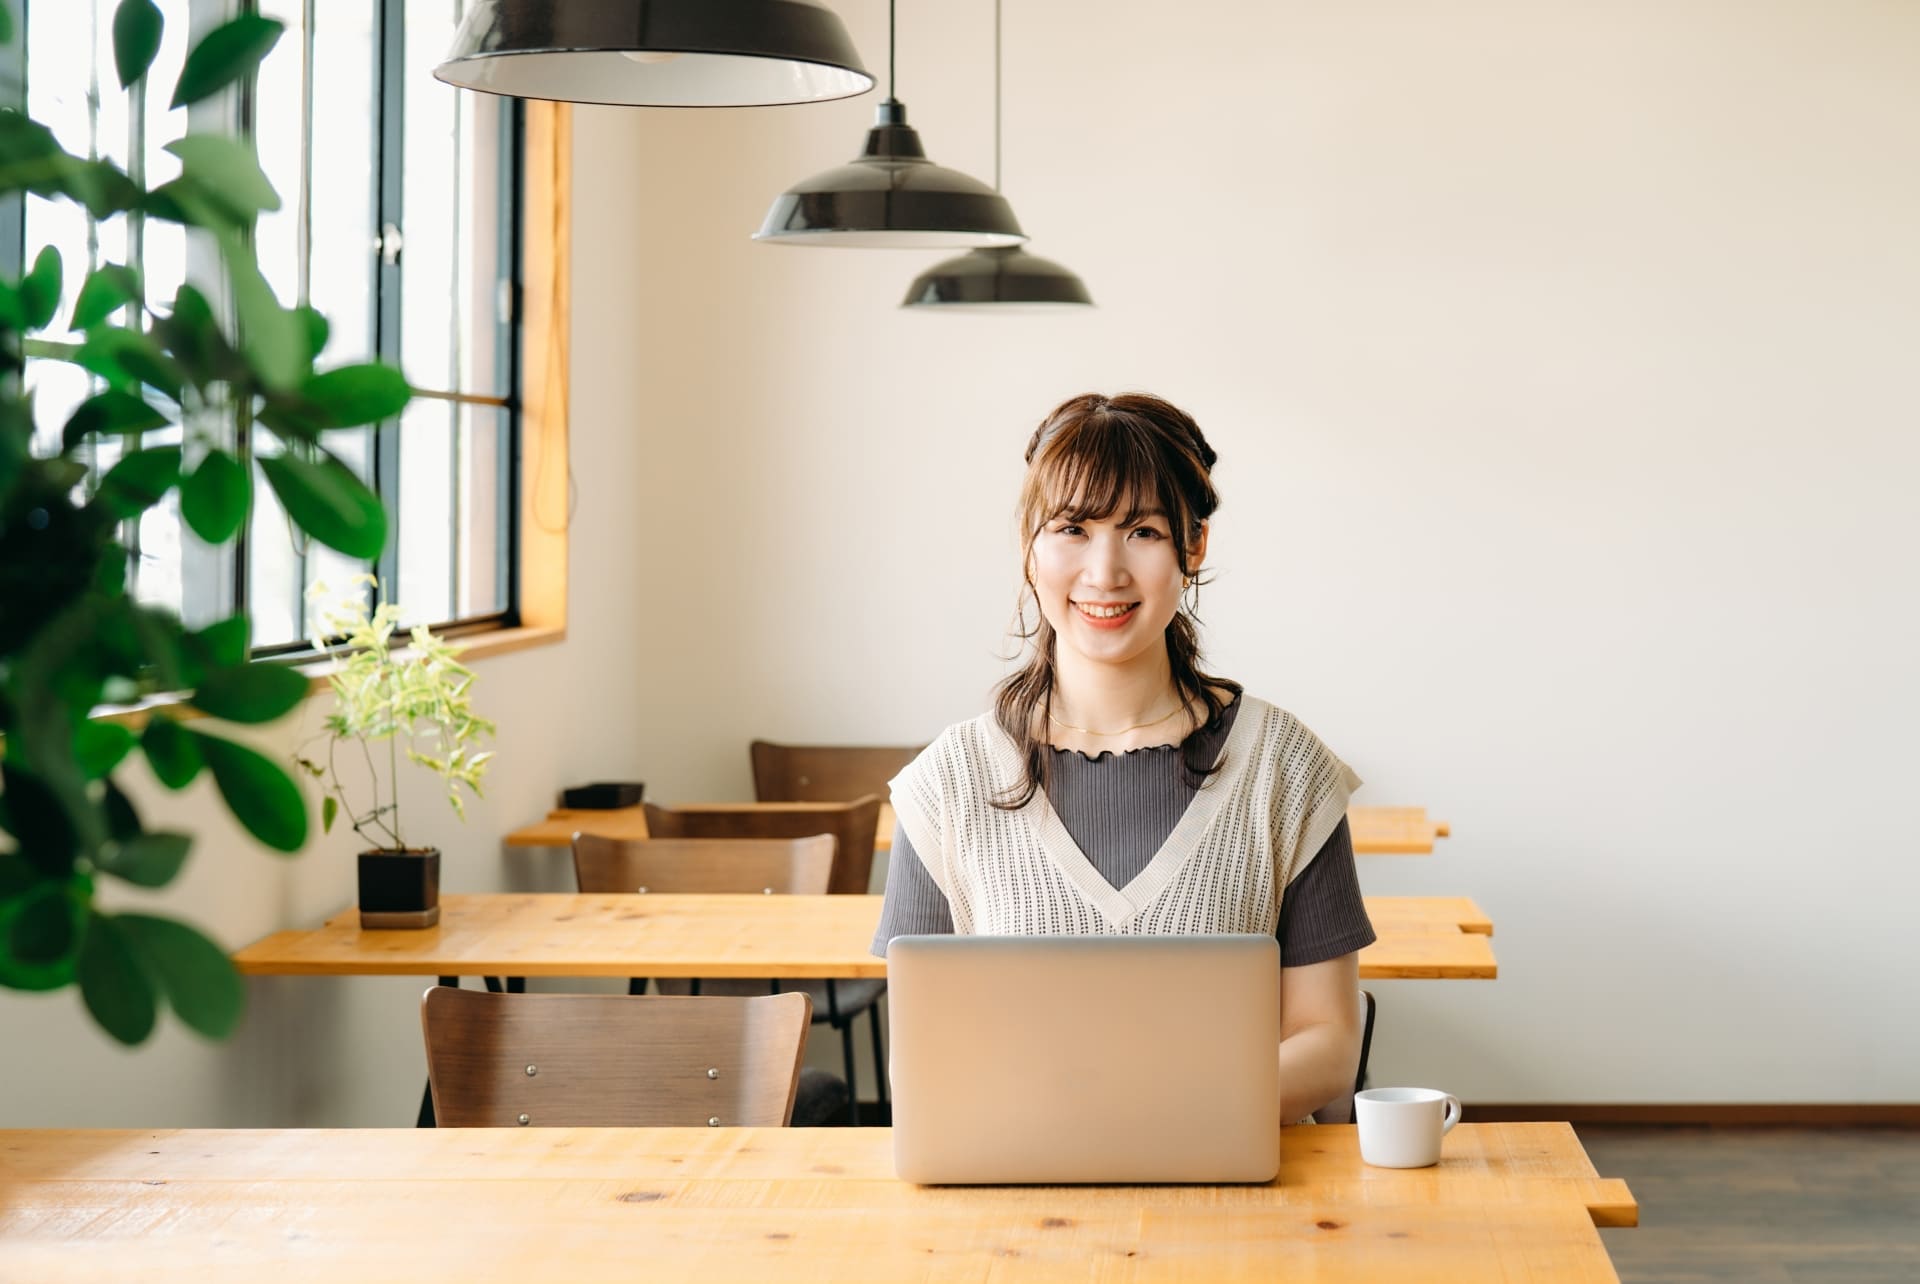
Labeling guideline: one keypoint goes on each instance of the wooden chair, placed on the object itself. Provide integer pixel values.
(773, 866)
(598, 1060)
(825, 773)
(852, 824)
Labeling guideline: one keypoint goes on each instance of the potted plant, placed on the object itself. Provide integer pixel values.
(189, 397)
(419, 702)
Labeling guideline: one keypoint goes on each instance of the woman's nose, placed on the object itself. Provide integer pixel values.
(1106, 565)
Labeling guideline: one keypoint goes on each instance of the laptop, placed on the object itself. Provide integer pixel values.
(1062, 1059)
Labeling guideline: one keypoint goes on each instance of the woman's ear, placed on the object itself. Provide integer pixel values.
(1197, 553)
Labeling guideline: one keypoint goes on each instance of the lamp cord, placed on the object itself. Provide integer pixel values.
(996, 95)
(892, 26)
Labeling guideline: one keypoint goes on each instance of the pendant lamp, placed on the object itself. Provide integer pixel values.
(891, 196)
(656, 53)
(1008, 278)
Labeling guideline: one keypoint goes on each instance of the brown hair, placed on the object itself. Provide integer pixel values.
(1089, 457)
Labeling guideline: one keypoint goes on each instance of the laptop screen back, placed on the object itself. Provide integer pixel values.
(1085, 1058)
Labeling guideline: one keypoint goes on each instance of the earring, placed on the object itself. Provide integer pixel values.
(1191, 595)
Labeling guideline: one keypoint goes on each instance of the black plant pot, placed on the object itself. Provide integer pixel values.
(400, 888)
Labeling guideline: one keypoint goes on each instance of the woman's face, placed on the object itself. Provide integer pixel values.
(1108, 587)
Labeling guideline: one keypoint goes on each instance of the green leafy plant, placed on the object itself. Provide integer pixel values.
(422, 699)
(71, 636)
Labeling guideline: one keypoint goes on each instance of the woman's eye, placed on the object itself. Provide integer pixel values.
(1146, 532)
(1067, 528)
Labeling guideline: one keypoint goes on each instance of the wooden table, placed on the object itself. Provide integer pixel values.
(1376, 830)
(1507, 1202)
(565, 934)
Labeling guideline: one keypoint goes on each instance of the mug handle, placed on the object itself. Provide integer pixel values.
(1451, 1115)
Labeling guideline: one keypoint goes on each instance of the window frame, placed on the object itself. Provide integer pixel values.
(536, 474)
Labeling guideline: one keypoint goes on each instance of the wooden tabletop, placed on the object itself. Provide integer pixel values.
(563, 934)
(1507, 1201)
(1376, 830)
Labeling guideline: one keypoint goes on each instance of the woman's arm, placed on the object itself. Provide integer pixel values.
(1320, 1029)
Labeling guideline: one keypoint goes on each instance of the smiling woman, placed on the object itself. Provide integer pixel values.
(1119, 788)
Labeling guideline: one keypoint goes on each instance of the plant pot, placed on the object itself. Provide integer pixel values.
(400, 888)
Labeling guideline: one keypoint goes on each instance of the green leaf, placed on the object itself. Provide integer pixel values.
(227, 171)
(31, 957)
(105, 291)
(328, 502)
(123, 822)
(114, 982)
(136, 39)
(149, 860)
(251, 693)
(361, 394)
(36, 818)
(224, 55)
(112, 411)
(40, 289)
(259, 794)
(195, 974)
(128, 358)
(6, 23)
(140, 480)
(214, 498)
(316, 331)
(274, 339)
(329, 808)
(44, 929)
(99, 746)
(171, 752)
(223, 644)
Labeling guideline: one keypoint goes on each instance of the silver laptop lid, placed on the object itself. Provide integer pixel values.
(1085, 1058)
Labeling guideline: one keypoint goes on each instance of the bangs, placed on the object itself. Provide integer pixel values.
(1101, 466)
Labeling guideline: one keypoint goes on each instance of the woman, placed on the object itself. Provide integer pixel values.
(1116, 787)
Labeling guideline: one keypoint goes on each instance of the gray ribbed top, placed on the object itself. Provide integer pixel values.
(1120, 808)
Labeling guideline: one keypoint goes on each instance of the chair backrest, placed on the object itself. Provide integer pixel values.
(776, 866)
(852, 825)
(825, 773)
(1340, 1109)
(616, 1061)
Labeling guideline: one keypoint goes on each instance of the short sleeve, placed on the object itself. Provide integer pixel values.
(914, 904)
(1322, 915)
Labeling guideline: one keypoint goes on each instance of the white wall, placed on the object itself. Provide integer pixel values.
(1560, 360)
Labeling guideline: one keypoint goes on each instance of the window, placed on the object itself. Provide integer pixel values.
(399, 222)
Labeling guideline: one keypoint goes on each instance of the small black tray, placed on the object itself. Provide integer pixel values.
(604, 795)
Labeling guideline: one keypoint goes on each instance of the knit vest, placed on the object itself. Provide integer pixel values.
(1254, 825)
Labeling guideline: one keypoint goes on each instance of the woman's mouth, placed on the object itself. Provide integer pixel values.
(1106, 615)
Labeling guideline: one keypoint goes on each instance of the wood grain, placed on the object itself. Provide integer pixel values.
(1506, 1202)
(548, 934)
(1375, 830)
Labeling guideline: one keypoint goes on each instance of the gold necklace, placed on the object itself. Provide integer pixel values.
(1088, 731)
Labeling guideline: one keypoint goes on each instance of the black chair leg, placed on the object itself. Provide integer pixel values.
(879, 1054)
(853, 1088)
(638, 985)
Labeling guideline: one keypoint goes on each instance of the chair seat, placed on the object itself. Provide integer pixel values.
(854, 996)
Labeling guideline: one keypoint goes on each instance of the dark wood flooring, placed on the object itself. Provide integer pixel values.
(1764, 1205)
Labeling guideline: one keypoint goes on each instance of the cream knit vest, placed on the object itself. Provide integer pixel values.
(1251, 829)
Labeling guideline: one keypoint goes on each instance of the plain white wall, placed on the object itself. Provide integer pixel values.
(1560, 360)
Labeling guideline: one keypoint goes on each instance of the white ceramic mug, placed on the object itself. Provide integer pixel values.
(1402, 1127)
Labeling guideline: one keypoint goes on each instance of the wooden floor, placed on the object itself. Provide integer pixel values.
(1764, 1205)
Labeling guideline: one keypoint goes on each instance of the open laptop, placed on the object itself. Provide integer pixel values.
(1085, 1058)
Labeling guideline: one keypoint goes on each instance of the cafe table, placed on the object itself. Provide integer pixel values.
(523, 934)
(1376, 831)
(1507, 1202)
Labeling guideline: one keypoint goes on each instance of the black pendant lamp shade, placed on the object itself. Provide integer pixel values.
(1003, 278)
(891, 196)
(656, 53)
